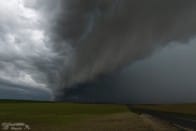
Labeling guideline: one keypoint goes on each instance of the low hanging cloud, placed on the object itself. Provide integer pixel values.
(107, 35)
(55, 45)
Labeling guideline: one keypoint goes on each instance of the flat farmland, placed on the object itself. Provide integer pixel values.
(45, 116)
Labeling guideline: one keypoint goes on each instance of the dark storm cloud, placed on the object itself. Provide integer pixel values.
(107, 34)
(168, 76)
(65, 44)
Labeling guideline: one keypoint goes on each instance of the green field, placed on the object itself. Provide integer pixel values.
(46, 116)
(70, 117)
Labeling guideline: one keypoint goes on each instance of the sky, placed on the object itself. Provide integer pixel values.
(21, 46)
(109, 51)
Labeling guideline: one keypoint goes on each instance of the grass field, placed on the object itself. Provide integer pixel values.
(45, 116)
(71, 117)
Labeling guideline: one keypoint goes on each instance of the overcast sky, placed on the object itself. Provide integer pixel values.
(22, 44)
(128, 51)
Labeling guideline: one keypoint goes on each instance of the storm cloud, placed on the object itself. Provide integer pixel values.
(107, 35)
(65, 45)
